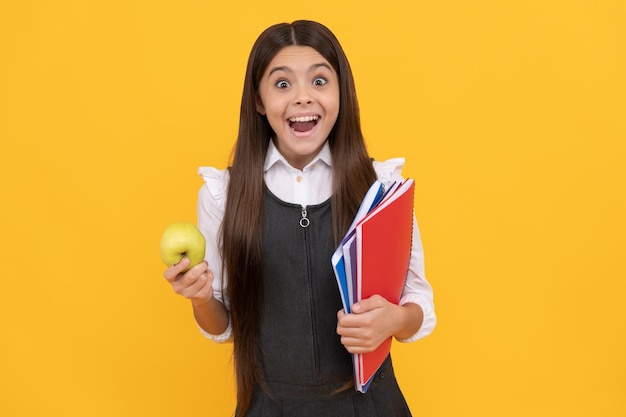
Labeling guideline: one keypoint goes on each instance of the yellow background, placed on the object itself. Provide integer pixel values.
(510, 115)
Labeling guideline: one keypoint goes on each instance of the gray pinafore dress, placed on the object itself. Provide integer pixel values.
(303, 362)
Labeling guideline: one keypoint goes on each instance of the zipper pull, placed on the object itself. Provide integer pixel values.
(304, 221)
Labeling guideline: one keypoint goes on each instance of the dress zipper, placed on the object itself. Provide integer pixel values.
(304, 221)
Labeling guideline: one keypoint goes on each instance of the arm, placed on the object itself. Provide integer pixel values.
(205, 287)
(210, 210)
(417, 289)
(375, 319)
(197, 286)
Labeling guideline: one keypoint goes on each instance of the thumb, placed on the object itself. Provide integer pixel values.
(368, 304)
(183, 262)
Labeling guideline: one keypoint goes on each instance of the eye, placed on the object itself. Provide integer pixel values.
(320, 81)
(282, 84)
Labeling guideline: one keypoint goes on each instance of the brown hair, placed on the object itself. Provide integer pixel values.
(352, 175)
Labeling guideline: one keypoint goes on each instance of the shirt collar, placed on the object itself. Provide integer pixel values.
(273, 156)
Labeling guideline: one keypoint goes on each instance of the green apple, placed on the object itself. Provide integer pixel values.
(182, 240)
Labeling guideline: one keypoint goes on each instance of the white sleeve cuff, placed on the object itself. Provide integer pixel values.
(430, 319)
(220, 338)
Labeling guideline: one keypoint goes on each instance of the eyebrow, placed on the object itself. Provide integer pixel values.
(287, 69)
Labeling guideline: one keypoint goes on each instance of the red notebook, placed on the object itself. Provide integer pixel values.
(384, 239)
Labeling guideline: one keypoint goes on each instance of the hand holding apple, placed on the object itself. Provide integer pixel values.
(182, 240)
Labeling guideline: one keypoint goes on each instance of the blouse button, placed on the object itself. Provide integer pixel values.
(298, 178)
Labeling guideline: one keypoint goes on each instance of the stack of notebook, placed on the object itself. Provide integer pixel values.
(373, 258)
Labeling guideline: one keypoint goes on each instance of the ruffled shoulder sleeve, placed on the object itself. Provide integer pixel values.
(216, 181)
(389, 171)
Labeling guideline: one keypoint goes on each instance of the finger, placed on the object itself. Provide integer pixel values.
(185, 279)
(197, 286)
(174, 271)
(348, 332)
(351, 326)
(357, 345)
(201, 268)
(357, 333)
(358, 349)
(347, 320)
(192, 286)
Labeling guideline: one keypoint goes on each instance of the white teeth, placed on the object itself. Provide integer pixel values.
(304, 119)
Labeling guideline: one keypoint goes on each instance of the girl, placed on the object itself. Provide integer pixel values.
(272, 221)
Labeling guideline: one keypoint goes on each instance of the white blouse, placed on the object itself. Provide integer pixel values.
(312, 185)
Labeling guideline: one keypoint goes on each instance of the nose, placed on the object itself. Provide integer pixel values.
(303, 96)
(300, 102)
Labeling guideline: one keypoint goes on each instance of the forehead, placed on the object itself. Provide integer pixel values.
(293, 58)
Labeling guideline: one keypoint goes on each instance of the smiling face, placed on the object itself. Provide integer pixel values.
(299, 95)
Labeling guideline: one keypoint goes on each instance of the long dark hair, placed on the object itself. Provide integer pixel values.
(242, 227)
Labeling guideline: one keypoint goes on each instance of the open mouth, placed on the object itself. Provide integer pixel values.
(303, 123)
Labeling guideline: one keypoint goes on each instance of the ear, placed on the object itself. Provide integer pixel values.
(260, 108)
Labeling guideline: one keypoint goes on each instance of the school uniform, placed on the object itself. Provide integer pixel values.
(302, 360)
